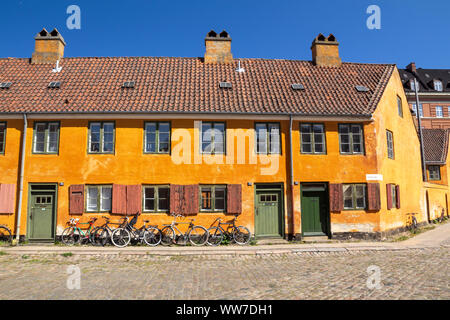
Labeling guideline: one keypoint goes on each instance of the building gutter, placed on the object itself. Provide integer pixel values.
(291, 176)
(419, 123)
(22, 166)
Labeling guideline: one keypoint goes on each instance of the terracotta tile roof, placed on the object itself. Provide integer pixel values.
(189, 85)
(435, 145)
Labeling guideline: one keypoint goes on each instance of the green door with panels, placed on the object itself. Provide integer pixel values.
(268, 214)
(41, 216)
(315, 213)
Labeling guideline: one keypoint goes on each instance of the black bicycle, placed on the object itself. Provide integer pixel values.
(239, 234)
(5, 234)
(411, 222)
(122, 236)
(102, 234)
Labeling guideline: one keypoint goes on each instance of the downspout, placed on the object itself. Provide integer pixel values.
(22, 165)
(419, 123)
(291, 173)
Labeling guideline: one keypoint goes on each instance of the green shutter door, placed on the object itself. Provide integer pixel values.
(268, 214)
(314, 213)
(41, 217)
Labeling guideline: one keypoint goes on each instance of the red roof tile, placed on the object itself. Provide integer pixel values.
(189, 85)
(435, 145)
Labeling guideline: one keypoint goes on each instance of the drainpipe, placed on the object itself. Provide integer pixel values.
(22, 165)
(422, 153)
(291, 172)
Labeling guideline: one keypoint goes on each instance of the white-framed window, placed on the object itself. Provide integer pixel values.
(437, 85)
(413, 86)
(420, 109)
(46, 137)
(439, 112)
(98, 198)
(354, 196)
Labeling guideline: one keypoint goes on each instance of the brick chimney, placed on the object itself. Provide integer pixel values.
(325, 51)
(218, 47)
(411, 67)
(49, 47)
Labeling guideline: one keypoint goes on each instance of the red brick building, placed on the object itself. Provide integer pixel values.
(434, 94)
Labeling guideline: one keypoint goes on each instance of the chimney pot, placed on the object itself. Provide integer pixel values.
(325, 51)
(49, 47)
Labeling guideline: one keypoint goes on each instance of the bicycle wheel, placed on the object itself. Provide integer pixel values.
(414, 223)
(99, 236)
(152, 236)
(215, 236)
(70, 236)
(5, 234)
(242, 235)
(167, 236)
(120, 237)
(198, 236)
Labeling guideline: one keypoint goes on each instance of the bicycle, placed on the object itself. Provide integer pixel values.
(197, 235)
(240, 234)
(442, 216)
(5, 234)
(411, 222)
(122, 236)
(102, 234)
(75, 235)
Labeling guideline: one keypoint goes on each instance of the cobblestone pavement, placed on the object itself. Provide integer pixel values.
(405, 274)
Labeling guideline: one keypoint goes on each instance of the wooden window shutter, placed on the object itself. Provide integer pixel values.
(397, 196)
(336, 197)
(76, 199)
(119, 199)
(7, 198)
(389, 196)
(373, 194)
(234, 199)
(176, 198)
(134, 196)
(190, 200)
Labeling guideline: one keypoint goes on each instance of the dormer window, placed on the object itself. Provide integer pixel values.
(437, 85)
(412, 85)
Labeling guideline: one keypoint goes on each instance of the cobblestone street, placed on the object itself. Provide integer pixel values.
(405, 274)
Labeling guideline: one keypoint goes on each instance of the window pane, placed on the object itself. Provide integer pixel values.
(206, 137)
(274, 131)
(106, 198)
(206, 199)
(150, 137)
(219, 134)
(261, 137)
(92, 199)
(163, 141)
(94, 138)
(52, 141)
(344, 129)
(149, 205)
(39, 138)
(348, 196)
(163, 202)
(2, 137)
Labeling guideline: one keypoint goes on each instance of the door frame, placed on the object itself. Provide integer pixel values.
(325, 188)
(278, 187)
(54, 190)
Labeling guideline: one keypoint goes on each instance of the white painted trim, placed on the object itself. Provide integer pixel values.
(195, 116)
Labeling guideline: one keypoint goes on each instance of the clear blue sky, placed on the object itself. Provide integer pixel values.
(411, 30)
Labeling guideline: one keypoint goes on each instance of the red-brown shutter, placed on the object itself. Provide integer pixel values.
(134, 197)
(397, 196)
(76, 199)
(373, 194)
(190, 200)
(234, 199)
(7, 198)
(176, 198)
(389, 196)
(119, 199)
(336, 197)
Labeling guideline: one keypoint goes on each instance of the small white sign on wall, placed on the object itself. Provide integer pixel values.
(374, 177)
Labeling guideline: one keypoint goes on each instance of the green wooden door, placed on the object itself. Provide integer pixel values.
(314, 213)
(268, 214)
(41, 218)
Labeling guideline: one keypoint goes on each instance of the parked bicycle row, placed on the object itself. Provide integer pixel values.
(124, 233)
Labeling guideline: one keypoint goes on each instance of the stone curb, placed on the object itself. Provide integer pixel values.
(215, 251)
